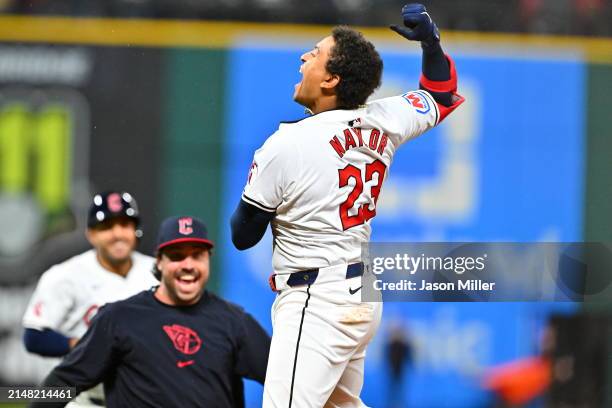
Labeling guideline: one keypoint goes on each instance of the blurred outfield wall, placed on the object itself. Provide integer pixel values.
(173, 111)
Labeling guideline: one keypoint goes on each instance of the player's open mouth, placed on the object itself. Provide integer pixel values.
(301, 79)
(187, 282)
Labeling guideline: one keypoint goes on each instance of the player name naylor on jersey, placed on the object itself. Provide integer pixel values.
(375, 139)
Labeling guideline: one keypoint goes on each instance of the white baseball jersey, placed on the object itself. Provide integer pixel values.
(69, 294)
(323, 175)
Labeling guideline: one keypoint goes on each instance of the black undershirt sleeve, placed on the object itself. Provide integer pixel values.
(249, 224)
(434, 64)
(435, 68)
(47, 342)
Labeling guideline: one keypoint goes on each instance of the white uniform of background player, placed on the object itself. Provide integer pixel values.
(69, 294)
(321, 177)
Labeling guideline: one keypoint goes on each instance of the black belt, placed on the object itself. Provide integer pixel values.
(309, 276)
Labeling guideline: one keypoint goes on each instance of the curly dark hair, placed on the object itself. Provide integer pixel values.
(357, 63)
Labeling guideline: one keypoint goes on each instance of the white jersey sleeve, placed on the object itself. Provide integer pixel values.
(50, 303)
(272, 173)
(405, 116)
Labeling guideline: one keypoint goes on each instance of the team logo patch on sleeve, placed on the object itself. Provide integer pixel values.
(252, 172)
(418, 101)
(38, 309)
(90, 313)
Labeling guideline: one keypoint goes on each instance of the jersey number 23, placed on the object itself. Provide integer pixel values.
(364, 213)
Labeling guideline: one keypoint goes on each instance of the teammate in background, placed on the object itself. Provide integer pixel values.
(176, 346)
(69, 294)
(317, 181)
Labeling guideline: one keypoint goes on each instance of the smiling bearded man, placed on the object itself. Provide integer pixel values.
(177, 345)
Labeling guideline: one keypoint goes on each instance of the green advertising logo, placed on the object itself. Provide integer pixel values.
(35, 173)
(35, 151)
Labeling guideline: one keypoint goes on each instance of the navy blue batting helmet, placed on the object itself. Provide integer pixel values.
(112, 204)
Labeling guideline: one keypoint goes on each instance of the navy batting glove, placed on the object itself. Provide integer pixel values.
(419, 25)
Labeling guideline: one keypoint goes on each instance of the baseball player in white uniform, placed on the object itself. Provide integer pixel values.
(317, 181)
(69, 294)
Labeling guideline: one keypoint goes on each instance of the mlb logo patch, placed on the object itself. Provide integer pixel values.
(418, 101)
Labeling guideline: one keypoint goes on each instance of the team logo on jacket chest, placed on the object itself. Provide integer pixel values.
(183, 338)
(374, 139)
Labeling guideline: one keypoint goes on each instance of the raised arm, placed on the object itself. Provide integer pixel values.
(438, 76)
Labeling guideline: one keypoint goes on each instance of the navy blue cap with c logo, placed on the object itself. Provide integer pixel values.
(179, 229)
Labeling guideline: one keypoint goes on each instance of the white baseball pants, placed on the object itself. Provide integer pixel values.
(320, 335)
